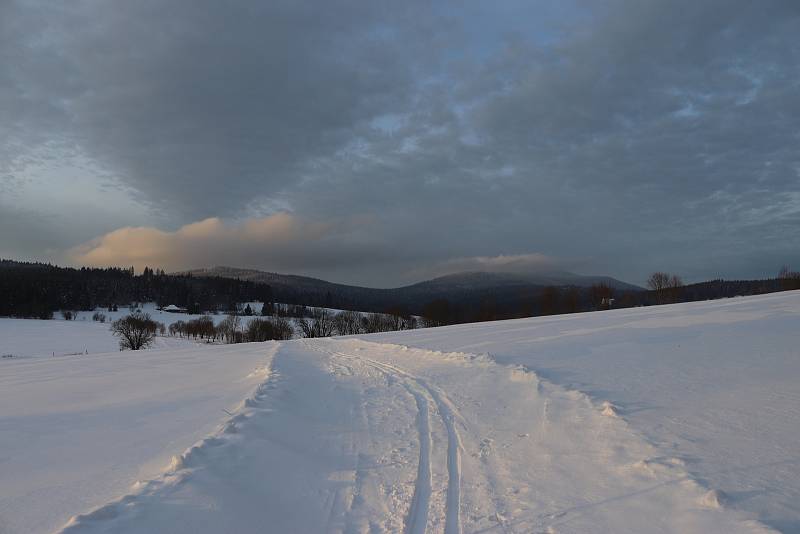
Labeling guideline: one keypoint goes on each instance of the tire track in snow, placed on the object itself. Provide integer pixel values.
(417, 519)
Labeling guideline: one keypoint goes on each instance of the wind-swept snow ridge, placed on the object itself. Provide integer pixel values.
(353, 436)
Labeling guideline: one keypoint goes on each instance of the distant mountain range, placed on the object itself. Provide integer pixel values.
(470, 289)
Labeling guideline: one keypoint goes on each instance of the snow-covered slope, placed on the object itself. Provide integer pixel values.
(77, 431)
(688, 423)
(715, 384)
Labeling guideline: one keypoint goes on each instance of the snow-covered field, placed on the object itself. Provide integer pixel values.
(25, 338)
(682, 418)
(76, 431)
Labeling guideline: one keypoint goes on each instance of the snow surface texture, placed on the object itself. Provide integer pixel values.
(714, 385)
(76, 431)
(686, 405)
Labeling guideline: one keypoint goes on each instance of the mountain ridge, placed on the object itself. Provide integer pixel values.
(507, 292)
(473, 278)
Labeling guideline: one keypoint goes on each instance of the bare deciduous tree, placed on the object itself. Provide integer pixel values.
(665, 286)
(282, 328)
(321, 325)
(268, 329)
(377, 322)
(229, 328)
(347, 323)
(136, 331)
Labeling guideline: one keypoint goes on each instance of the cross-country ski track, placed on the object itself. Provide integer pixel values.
(347, 435)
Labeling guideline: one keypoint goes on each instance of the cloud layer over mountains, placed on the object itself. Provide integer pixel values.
(369, 141)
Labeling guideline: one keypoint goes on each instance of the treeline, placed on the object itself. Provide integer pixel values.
(324, 323)
(37, 290)
(230, 329)
(318, 322)
(663, 288)
(550, 300)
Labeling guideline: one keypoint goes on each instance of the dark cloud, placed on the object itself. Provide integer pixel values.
(631, 134)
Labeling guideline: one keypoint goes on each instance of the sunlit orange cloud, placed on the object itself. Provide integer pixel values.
(204, 243)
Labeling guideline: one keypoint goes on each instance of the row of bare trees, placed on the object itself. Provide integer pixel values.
(230, 329)
(324, 323)
(202, 327)
(321, 323)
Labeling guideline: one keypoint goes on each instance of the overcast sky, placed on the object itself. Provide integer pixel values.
(380, 143)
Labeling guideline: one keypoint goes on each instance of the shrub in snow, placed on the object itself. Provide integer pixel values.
(268, 329)
(347, 323)
(136, 331)
(321, 325)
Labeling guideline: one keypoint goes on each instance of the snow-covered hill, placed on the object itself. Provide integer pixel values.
(682, 418)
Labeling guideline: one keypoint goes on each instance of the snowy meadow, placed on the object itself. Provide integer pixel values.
(677, 418)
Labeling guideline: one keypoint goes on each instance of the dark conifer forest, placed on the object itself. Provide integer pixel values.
(38, 290)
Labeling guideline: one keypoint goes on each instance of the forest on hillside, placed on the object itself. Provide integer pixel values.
(38, 290)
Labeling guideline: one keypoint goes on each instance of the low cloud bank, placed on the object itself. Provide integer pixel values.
(287, 243)
(280, 241)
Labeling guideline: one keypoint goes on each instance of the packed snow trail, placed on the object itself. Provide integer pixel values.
(352, 436)
(422, 393)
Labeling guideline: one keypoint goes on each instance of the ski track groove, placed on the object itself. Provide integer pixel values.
(417, 519)
(448, 415)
